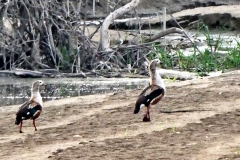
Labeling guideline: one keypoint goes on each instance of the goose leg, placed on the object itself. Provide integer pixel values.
(146, 117)
(20, 127)
(34, 125)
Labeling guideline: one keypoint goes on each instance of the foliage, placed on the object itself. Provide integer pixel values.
(67, 59)
(43, 34)
(159, 52)
(64, 90)
(33, 44)
(202, 63)
(232, 59)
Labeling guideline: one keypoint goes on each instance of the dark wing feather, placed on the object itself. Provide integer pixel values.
(141, 100)
(23, 107)
(153, 97)
(22, 111)
(145, 90)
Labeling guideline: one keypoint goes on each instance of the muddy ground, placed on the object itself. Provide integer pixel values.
(198, 119)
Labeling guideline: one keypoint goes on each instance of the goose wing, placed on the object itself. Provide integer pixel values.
(23, 108)
(142, 98)
(26, 112)
(145, 91)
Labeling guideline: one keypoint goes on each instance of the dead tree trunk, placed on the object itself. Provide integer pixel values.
(104, 41)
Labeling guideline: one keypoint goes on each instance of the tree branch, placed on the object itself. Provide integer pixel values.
(104, 39)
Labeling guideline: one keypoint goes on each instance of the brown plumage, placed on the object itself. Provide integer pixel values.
(32, 108)
(153, 93)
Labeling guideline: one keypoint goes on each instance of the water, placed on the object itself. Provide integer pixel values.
(17, 90)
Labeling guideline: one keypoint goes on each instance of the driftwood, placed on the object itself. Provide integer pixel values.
(6, 73)
(108, 75)
(105, 43)
(172, 74)
(166, 74)
(28, 73)
(164, 33)
(49, 71)
(39, 74)
(74, 75)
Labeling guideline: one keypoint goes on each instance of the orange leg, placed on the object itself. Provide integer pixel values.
(148, 111)
(146, 117)
(20, 128)
(34, 125)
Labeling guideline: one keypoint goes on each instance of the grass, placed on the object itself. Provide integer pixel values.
(172, 79)
(202, 63)
(64, 91)
(67, 59)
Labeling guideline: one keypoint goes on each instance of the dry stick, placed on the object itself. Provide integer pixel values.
(164, 33)
(43, 65)
(78, 68)
(99, 26)
(84, 21)
(116, 5)
(143, 45)
(106, 76)
(140, 27)
(49, 36)
(79, 61)
(51, 43)
(4, 59)
(185, 110)
(79, 4)
(3, 11)
(185, 33)
(30, 28)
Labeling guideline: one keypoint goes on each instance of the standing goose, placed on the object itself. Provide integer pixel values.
(157, 90)
(32, 108)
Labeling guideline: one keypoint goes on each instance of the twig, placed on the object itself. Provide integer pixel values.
(185, 110)
(185, 33)
(90, 37)
(164, 33)
(106, 76)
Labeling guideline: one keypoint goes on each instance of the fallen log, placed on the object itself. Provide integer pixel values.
(164, 33)
(6, 73)
(74, 75)
(27, 73)
(165, 73)
(50, 72)
(180, 75)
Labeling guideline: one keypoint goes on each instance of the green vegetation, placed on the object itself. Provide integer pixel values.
(173, 79)
(200, 62)
(64, 91)
(67, 59)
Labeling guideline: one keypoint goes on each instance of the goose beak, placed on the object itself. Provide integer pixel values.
(43, 85)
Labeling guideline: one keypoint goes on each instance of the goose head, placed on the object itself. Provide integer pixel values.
(37, 84)
(154, 64)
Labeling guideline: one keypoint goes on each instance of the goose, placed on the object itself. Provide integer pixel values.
(32, 108)
(153, 93)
